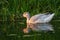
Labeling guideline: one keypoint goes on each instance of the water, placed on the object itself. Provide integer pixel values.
(41, 35)
(11, 32)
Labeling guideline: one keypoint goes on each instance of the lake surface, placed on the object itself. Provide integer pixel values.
(11, 31)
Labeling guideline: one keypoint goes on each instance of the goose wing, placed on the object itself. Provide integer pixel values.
(36, 17)
(39, 18)
(45, 18)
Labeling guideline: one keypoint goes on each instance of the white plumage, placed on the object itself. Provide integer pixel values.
(39, 18)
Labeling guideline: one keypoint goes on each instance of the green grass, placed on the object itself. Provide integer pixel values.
(12, 22)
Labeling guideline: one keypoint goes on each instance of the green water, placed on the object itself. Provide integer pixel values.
(10, 31)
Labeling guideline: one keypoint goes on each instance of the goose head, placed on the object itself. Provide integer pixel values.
(26, 14)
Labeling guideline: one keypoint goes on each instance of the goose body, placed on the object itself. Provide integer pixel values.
(39, 18)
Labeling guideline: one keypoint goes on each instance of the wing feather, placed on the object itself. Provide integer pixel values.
(38, 18)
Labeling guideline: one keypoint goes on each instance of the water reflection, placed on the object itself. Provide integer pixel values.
(38, 27)
(41, 27)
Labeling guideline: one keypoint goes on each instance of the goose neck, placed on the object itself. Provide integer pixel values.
(28, 18)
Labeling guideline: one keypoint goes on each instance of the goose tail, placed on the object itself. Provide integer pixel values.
(48, 19)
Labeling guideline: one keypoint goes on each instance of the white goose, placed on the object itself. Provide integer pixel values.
(39, 18)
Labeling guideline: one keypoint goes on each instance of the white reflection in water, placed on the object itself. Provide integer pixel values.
(38, 27)
(41, 27)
